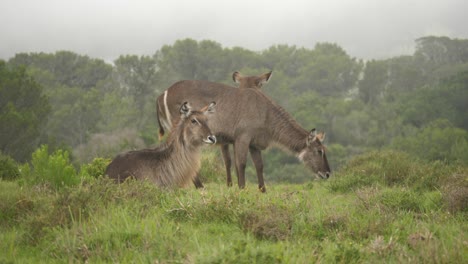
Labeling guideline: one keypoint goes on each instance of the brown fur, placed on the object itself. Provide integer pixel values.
(174, 163)
(255, 82)
(252, 122)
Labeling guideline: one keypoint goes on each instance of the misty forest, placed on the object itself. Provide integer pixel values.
(92, 108)
(69, 108)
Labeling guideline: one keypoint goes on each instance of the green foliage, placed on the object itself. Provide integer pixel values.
(23, 112)
(444, 100)
(271, 223)
(439, 140)
(108, 145)
(75, 115)
(359, 105)
(399, 206)
(10, 194)
(116, 111)
(244, 252)
(54, 169)
(65, 68)
(291, 173)
(95, 169)
(330, 71)
(287, 59)
(212, 166)
(406, 200)
(101, 221)
(8, 168)
(390, 168)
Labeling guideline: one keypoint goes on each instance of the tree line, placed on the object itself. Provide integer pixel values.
(414, 103)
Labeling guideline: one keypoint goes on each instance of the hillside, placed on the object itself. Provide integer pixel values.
(381, 207)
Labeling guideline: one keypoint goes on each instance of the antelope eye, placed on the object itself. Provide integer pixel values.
(194, 121)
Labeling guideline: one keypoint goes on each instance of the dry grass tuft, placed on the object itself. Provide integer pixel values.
(272, 223)
(455, 193)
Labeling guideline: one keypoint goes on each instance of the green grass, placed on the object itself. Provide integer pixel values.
(336, 221)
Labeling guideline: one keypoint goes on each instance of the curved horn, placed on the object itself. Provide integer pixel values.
(311, 136)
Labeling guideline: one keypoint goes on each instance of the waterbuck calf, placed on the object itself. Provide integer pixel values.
(248, 119)
(174, 163)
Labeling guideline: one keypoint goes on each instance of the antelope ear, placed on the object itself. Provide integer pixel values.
(185, 110)
(209, 109)
(236, 76)
(311, 136)
(321, 136)
(266, 77)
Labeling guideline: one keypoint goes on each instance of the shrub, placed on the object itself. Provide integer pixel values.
(54, 169)
(439, 140)
(390, 168)
(12, 203)
(8, 168)
(455, 192)
(95, 169)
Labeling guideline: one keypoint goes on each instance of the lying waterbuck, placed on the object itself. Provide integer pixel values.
(174, 163)
(248, 119)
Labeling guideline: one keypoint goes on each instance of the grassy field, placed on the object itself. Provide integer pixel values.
(380, 208)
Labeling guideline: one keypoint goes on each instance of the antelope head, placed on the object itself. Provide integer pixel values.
(195, 128)
(314, 156)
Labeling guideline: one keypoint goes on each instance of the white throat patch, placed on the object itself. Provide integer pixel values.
(301, 155)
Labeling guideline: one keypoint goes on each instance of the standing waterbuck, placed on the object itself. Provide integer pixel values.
(254, 81)
(248, 119)
(174, 163)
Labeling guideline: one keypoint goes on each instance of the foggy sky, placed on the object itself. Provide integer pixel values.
(109, 28)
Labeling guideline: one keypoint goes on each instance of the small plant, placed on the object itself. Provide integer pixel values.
(8, 168)
(95, 169)
(54, 169)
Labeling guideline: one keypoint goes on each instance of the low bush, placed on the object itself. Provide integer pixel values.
(54, 169)
(8, 168)
(95, 169)
(390, 168)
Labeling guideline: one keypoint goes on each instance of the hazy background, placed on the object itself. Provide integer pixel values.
(109, 28)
